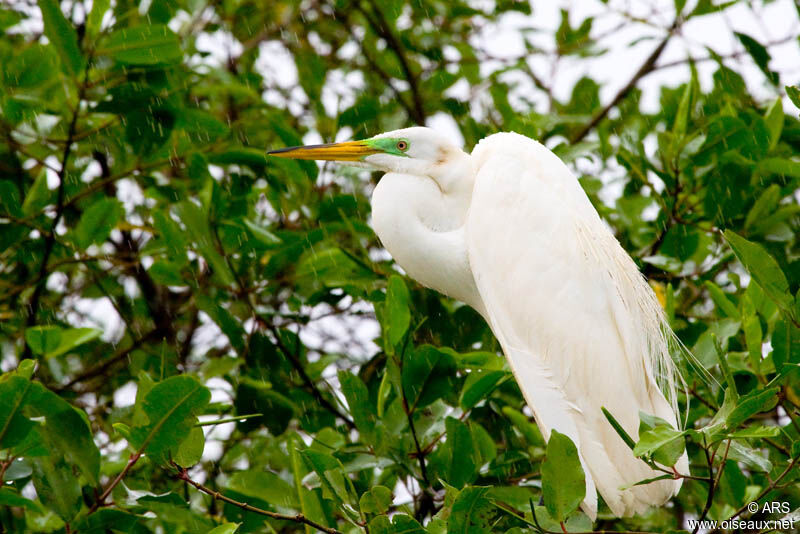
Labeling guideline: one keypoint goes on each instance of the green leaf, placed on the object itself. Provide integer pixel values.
(704, 7)
(14, 426)
(43, 339)
(721, 300)
(618, 428)
(332, 268)
(683, 114)
(251, 157)
(8, 18)
(754, 402)
(9, 497)
(152, 44)
(659, 441)
(757, 431)
(72, 436)
(225, 528)
(427, 375)
(396, 310)
(200, 233)
(759, 54)
(10, 198)
(763, 268)
(755, 459)
(358, 400)
(563, 484)
(26, 368)
(123, 429)
(95, 18)
(764, 206)
(459, 454)
(166, 273)
(786, 344)
(97, 221)
(751, 324)
(375, 501)
(107, 520)
(471, 512)
(51, 341)
(62, 36)
(381, 525)
(72, 338)
(38, 196)
(202, 127)
(34, 67)
(794, 95)
(261, 234)
(190, 451)
(779, 166)
(529, 430)
(265, 486)
(332, 475)
(478, 385)
(56, 487)
(229, 325)
(256, 397)
(172, 236)
(405, 524)
(171, 409)
(774, 120)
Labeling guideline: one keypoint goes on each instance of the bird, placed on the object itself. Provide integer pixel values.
(508, 230)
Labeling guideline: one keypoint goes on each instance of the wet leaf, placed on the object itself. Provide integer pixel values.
(144, 45)
(62, 35)
(563, 485)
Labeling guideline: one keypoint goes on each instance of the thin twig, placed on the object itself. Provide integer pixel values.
(310, 385)
(382, 28)
(100, 368)
(297, 518)
(648, 66)
(106, 492)
(766, 490)
(50, 238)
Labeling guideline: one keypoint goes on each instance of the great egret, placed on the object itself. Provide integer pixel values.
(509, 231)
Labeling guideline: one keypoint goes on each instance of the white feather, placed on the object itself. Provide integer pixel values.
(561, 292)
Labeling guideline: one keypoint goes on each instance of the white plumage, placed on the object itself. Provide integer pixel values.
(509, 231)
(580, 326)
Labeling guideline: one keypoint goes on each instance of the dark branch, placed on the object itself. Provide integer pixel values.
(647, 67)
(297, 518)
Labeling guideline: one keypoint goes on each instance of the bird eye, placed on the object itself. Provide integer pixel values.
(402, 145)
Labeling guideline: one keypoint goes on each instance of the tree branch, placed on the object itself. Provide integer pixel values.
(50, 238)
(647, 67)
(766, 490)
(382, 28)
(297, 518)
(313, 389)
(103, 496)
(101, 367)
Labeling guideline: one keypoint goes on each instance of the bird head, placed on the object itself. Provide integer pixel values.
(418, 151)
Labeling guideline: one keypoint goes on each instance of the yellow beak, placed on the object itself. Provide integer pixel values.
(347, 151)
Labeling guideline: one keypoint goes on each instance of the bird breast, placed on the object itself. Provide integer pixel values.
(424, 231)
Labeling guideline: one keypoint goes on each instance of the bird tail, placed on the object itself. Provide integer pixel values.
(616, 470)
(552, 411)
(609, 465)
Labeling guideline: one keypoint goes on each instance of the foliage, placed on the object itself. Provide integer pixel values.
(162, 284)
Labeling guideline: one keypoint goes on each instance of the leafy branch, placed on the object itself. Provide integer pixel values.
(183, 474)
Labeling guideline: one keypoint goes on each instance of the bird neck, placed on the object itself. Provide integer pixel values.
(420, 221)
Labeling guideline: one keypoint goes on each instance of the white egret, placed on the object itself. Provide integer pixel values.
(509, 231)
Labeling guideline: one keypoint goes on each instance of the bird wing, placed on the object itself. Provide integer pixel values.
(578, 323)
